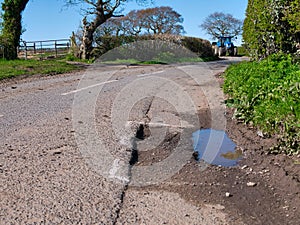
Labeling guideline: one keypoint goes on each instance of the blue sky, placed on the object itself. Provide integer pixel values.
(48, 19)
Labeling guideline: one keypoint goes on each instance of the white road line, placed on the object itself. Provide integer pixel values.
(1, 115)
(149, 74)
(88, 87)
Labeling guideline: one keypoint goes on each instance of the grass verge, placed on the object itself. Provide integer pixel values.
(267, 94)
(14, 68)
(161, 61)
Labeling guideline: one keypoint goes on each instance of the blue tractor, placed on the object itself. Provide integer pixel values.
(225, 45)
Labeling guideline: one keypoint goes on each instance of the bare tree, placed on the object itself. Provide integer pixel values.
(159, 20)
(221, 24)
(112, 27)
(133, 23)
(97, 12)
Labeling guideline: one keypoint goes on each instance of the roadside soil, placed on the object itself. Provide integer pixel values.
(263, 189)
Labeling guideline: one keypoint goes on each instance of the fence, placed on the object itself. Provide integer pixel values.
(44, 49)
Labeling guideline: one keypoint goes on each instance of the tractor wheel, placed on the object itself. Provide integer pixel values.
(231, 51)
(220, 51)
(235, 51)
(216, 50)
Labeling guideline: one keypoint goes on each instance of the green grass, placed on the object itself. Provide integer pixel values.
(14, 68)
(267, 94)
(242, 51)
(160, 61)
(72, 58)
(134, 61)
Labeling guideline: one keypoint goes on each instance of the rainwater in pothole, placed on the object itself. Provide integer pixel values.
(216, 148)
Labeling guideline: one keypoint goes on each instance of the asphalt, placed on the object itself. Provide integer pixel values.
(67, 141)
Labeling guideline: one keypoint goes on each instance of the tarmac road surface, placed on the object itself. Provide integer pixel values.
(54, 169)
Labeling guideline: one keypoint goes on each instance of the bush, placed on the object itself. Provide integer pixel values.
(271, 27)
(267, 94)
(242, 51)
(200, 47)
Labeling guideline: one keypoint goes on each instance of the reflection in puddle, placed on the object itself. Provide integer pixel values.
(216, 148)
(233, 155)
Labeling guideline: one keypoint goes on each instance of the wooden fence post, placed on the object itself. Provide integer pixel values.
(55, 44)
(41, 43)
(25, 49)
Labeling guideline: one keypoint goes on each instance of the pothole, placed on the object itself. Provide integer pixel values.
(158, 153)
(143, 132)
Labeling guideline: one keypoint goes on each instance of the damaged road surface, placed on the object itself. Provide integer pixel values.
(113, 145)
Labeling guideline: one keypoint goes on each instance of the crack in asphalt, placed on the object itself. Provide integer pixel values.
(121, 205)
(134, 158)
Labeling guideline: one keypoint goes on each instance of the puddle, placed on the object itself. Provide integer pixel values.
(216, 148)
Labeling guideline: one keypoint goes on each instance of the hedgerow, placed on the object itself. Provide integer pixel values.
(200, 47)
(267, 94)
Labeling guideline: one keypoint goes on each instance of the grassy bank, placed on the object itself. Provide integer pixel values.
(169, 60)
(15, 68)
(267, 94)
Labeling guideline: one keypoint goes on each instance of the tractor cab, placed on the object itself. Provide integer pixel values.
(224, 41)
(225, 45)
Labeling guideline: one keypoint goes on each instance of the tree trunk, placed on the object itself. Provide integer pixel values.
(12, 26)
(86, 45)
(102, 10)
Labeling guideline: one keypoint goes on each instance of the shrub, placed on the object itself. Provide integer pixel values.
(267, 94)
(242, 51)
(200, 47)
(271, 26)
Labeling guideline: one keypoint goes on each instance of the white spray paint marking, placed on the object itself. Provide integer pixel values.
(125, 141)
(157, 124)
(113, 172)
(149, 74)
(88, 87)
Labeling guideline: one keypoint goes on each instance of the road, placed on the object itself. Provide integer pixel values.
(83, 148)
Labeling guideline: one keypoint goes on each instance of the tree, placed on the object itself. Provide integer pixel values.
(12, 26)
(1, 23)
(271, 26)
(97, 13)
(109, 35)
(221, 24)
(161, 20)
(133, 23)
(136, 25)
